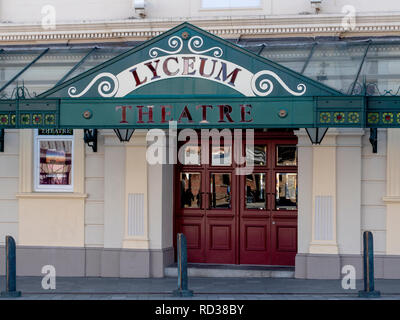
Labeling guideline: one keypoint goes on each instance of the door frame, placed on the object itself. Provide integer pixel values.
(271, 134)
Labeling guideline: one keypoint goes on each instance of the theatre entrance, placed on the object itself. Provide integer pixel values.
(230, 218)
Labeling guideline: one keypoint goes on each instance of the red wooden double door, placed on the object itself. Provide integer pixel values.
(229, 218)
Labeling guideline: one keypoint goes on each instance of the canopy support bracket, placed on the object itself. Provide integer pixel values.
(90, 138)
(373, 139)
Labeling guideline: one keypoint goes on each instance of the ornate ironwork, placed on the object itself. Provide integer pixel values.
(19, 92)
(371, 89)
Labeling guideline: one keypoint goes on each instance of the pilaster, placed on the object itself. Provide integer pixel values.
(324, 237)
(392, 198)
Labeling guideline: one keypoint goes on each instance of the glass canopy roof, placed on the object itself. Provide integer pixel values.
(369, 66)
(354, 67)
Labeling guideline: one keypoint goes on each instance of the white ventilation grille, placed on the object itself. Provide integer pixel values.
(136, 214)
(323, 218)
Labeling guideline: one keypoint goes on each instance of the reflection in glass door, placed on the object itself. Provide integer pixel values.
(220, 190)
(190, 189)
(256, 191)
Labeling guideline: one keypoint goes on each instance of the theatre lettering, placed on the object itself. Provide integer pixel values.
(166, 67)
(223, 113)
(179, 65)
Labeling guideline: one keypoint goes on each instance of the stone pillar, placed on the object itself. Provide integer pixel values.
(323, 240)
(136, 233)
(348, 204)
(135, 256)
(114, 203)
(329, 216)
(318, 255)
(392, 198)
(161, 218)
(304, 220)
(138, 217)
(323, 261)
(391, 262)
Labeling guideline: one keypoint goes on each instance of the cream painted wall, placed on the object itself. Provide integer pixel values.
(136, 182)
(360, 188)
(168, 199)
(27, 11)
(156, 189)
(305, 178)
(349, 171)
(42, 208)
(9, 173)
(94, 186)
(50, 219)
(373, 184)
(324, 173)
(96, 228)
(114, 190)
(392, 198)
(161, 204)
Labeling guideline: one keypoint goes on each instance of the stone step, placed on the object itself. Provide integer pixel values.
(232, 271)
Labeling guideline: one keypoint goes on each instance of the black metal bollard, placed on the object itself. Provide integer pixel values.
(369, 278)
(11, 269)
(182, 290)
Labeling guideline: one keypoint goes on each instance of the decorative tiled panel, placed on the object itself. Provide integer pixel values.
(7, 119)
(383, 119)
(340, 118)
(28, 113)
(37, 119)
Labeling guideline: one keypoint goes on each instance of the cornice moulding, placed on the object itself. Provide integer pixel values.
(227, 27)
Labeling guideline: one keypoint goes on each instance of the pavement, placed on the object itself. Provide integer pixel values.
(88, 288)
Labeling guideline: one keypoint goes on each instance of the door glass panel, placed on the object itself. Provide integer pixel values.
(221, 156)
(190, 155)
(190, 190)
(255, 191)
(258, 154)
(286, 155)
(220, 190)
(286, 191)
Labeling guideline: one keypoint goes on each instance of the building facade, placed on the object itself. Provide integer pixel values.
(107, 211)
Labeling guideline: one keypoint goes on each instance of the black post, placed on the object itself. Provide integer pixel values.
(11, 269)
(1, 140)
(369, 278)
(182, 290)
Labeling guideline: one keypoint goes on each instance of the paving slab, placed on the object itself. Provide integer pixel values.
(88, 288)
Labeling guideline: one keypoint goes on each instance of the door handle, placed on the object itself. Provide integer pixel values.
(201, 200)
(209, 200)
(207, 207)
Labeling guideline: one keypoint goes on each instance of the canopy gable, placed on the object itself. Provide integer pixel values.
(192, 62)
